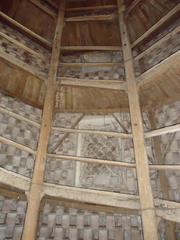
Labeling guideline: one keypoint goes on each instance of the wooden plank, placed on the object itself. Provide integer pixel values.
(91, 48)
(79, 9)
(25, 30)
(91, 160)
(35, 194)
(145, 191)
(158, 43)
(119, 200)
(107, 17)
(97, 64)
(19, 117)
(157, 25)
(103, 84)
(14, 180)
(43, 8)
(19, 44)
(162, 131)
(95, 132)
(17, 145)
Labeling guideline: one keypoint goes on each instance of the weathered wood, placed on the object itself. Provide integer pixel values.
(16, 145)
(35, 194)
(91, 48)
(145, 191)
(79, 9)
(157, 25)
(103, 84)
(97, 64)
(92, 196)
(14, 180)
(158, 43)
(163, 131)
(109, 17)
(25, 30)
(91, 160)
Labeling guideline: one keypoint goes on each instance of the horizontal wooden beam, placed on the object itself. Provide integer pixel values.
(169, 35)
(162, 131)
(107, 17)
(99, 64)
(101, 133)
(16, 145)
(91, 160)
(25, 30)
(157, 25)
(175, 167)
(91, 48)
(119, 200)
(79, 9)
(43, 8)
(168, 210)
(14, 180)
(103, 84)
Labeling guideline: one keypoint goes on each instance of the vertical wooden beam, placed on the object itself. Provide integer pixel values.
(145, 191)
(35, 194)
(170, 226)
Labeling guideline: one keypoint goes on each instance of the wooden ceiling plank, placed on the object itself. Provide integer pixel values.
(157, 25)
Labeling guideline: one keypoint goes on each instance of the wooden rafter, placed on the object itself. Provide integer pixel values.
(145, 191)
(35, 194)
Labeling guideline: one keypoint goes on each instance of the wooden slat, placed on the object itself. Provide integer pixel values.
(16, 145)
(91, 160)
(145, 191)
(105, 7)
(86, 131)
(91, 48)
(119, 200)
(131, 7)
(25, 30)
(157, 25)
(162, 131)
(110, 17)
(99, 64)
(35, 194)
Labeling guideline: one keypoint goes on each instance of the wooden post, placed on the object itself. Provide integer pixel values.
(145, 191)
(170, 226)
(35, 194)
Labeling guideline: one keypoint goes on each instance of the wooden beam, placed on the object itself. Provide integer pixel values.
(119, 200)
(157, 25)
(14, 180)
(145, 191)
(17, 145)
(19, 117)
(158, 43)
(97, 64)
(43, 8)
(35, 194)
(91, 48)
(25, 30)
(162, 131)
(21, 45)
(102, 84)
(109, 17)
(91, 160)
(88, 131)
(79, 9)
